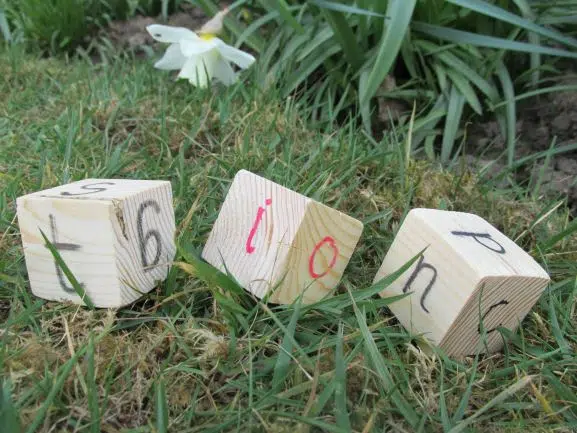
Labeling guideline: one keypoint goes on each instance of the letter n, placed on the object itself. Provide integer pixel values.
(421, 265)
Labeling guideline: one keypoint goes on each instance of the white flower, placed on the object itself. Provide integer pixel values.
(199, 57)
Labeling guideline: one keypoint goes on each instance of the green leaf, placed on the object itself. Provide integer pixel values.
(254, 26)
(5, 27)
(343, 33)
(399, 13)
(465, 69)
(452, 123)
(501, 14)
(308, 67)
(339, 7)
(510, 110)
(284, 11)
(461, 37)
(461, 82)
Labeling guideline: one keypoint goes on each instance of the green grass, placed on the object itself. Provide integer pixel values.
(198, 353)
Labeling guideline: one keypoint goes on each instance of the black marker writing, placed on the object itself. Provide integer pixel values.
(88, 188)
(503, 302)
(420, 266)
(143, 240)
(63, 247)
(481, 236)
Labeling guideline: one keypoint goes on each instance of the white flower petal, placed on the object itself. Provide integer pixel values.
(224, 72)
(190, 72)
(170, 34)
(172, 59)
(242, 59)
(199, 69)
(194, 48)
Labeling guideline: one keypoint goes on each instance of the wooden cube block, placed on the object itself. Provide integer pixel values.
(469, 274)
(115, 235)
(271, 238)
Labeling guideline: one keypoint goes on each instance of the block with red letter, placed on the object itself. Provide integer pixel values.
(279, 243)
(116, 236)
(470, 280)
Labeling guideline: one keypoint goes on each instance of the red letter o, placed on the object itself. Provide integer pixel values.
(331, 242)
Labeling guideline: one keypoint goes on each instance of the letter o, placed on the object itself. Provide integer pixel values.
(331, 242)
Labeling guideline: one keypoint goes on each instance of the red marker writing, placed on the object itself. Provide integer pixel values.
(331, 242)
(259, 214)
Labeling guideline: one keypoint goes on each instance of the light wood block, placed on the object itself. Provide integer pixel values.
(469, 274)
(273, 239)
(115, 235)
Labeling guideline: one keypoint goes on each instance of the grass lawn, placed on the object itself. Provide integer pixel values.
(197, 353)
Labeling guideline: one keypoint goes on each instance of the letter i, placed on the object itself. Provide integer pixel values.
(259, 214)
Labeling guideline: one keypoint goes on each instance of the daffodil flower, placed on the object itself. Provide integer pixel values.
(201, 57)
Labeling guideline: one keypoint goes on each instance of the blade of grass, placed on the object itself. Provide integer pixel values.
(322, 425)
(342, 414)
(383, 372)
(464, 403)
(287, 334)
(445, 420)
(564, 394)
(556, 329)
(9, 419)
(92, 388)
(500, 398)
(161, 407)
(283, 361)
(563, 234)
(340, 302)
(61, 377)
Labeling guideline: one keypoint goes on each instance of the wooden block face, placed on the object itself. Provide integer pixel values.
(273, 239)
(99, 189)
(469, 272)
(101, 238)
(318, 255)
(254, 230)
(144, 228)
